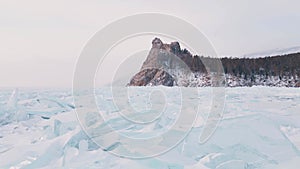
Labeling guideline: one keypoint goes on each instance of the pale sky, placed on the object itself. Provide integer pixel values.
(41, 40)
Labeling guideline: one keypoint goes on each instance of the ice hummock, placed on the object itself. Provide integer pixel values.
(260, 129)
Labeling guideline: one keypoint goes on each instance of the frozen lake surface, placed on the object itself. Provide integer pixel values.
(260, 128)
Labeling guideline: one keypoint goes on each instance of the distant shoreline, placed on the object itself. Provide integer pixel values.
(277, 71)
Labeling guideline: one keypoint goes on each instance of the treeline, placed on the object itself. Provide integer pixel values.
(284, 65)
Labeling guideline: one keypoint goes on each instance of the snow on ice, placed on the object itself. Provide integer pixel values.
(260, 129)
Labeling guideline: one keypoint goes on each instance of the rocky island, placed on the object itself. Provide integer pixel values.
(279, 71)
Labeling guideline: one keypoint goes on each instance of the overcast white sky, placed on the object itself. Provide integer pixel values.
(40, 40)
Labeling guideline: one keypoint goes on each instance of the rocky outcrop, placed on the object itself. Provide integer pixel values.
(165, 65)
(152, 77)
(152, 72)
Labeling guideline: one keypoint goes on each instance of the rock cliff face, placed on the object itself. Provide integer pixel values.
(152, 77)
(150, 74)
(165, 63)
